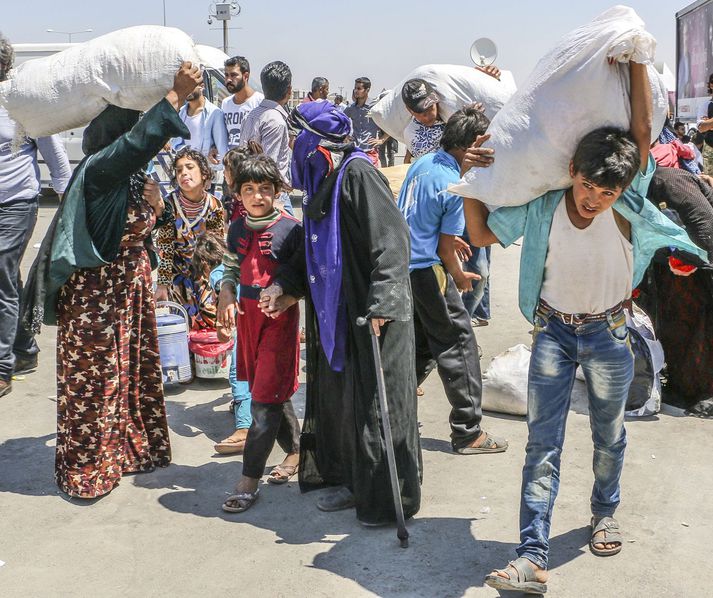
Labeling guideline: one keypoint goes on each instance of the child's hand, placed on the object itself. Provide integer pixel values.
(280, 305)
(268, 297)
(227, 306)
(224, 334)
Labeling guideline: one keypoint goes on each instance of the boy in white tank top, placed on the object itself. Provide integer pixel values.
(584, 250)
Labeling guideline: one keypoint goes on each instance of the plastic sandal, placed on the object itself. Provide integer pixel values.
(609, 533)
(245, 500)
(522, 578)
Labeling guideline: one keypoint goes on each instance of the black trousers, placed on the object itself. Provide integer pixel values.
(445, 338)
(270, 422)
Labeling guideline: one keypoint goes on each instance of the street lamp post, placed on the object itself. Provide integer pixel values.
(223, 11)
(69, 33)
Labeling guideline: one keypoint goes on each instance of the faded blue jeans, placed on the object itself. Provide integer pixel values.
(602, 349)
(240, 389)
(17, 222)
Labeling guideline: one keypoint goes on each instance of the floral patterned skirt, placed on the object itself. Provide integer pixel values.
(111, 415)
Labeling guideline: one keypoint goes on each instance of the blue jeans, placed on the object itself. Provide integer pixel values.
(17, 222)
(241, 393)
(602, 349)
(477, 301)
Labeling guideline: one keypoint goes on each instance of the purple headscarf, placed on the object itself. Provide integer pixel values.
(321, 151)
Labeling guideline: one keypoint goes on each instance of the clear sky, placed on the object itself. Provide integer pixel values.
(343, 39)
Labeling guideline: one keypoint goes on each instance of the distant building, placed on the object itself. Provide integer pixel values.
(297, 96)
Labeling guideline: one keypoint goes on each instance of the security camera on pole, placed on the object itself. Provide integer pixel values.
(223, 11)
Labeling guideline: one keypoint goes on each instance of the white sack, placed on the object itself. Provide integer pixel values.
(505, 382)
(131, 68)
(572, 91)
(456, 86)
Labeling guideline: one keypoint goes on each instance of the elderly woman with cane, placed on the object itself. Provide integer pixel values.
(357, 256)
(92, 278)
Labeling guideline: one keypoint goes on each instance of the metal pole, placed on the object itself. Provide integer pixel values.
(225, 36)
(401, 531)
(164, 13)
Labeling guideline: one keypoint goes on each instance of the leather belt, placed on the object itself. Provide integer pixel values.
(579, 319)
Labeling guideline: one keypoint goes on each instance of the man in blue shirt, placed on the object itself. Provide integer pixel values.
(19, 193)
(444, 336)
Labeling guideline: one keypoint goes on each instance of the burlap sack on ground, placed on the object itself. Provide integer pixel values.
(132, 68)
(457, 86)
(572, 91)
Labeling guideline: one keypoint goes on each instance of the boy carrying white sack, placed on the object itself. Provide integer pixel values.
(584, 249)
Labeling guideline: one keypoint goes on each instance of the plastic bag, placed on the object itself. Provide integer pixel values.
(572, 91)
(456, 86)
(206, 344)
(505, 382)
(645, 391)
(131, 68)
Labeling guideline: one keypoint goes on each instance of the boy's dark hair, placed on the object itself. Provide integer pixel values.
(239, 61)
(698, 138)
(338, 98)
(678, 124)
(463, 127)
(608, 157)
(257, 169)
(318, 83)
(197, 157)
(7, 56)
(208, 253)
(235, 157)
(276, 79)
(365, 81)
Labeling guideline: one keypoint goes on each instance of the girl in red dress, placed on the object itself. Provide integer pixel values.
(268, 352)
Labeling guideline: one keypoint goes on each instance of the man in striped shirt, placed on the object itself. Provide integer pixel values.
(267, 123)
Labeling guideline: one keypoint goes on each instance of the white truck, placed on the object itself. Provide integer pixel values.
(215, 91)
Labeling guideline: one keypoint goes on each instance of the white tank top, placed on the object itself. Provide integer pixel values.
(587, 270)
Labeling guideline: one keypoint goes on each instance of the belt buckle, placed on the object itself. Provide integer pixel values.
(568, 319)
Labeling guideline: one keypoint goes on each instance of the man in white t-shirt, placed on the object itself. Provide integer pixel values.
(244, 99)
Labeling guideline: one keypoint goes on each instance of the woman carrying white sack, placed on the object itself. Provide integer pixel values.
(92, 278)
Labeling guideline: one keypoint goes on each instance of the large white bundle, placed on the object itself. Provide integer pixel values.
(505, 381)
(572, 91)
(132, 68)
(456, 86)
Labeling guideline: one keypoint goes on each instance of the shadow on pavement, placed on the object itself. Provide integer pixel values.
(212, 418)
(28, 466)
(449, 555)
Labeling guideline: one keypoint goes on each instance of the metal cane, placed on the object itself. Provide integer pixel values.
(401, 530)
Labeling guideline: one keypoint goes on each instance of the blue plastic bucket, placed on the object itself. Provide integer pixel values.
(173, 343)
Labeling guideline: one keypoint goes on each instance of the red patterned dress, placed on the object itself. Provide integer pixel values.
(111, 416)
